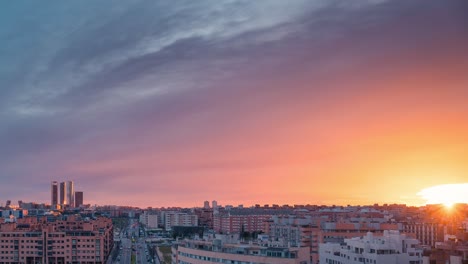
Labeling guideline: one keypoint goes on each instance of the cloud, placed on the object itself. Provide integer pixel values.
(447, 194)
(211, 85)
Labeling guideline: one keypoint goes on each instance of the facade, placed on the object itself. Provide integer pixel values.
(426, 233)
(179, 219)
(71, 193)
(13, 213)
(306, 231)
(205, 217)
(216, 251)
(63, 193)
(235, 224)
(66, 241)
(78, 199)
(54, 193)
(149, 219)
(451, 251)
(391, 248)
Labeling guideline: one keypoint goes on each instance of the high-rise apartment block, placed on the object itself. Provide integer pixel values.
(70, 193)
(54, 193)
(63, 193)
(78, 199)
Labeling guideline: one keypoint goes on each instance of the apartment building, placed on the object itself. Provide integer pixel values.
(73, 240)
(426, 233)
(391, 248)
(236, 223)
(149, 219)
(310, 232)
(221, 251)
(179, 219)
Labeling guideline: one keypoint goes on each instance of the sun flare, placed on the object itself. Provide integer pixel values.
(448, 205)
(447, 194)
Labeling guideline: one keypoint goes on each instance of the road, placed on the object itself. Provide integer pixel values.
(133, 243)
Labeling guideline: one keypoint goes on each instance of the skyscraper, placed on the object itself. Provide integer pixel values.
(63, 193)
(78, 199)
(70, 193)
(54, 193)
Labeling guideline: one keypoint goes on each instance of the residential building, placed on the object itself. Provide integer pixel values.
(391, 248)
(307, 231)
(451, 251)
(149, 219)
(205, 217)
(232, 223)
(13, 213)
(72, 240)
(222, 251)
(179, 219)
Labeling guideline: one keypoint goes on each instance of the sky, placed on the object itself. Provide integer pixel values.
(158, 103)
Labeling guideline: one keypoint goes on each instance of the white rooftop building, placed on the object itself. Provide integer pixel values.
(391, 248)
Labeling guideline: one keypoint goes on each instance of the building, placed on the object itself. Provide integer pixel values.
(205, 217)
(179, 219)
(206, 205)
(219, 251)
(308, 231)
(71, 193)
(72, 240)
(12, 215)
(54, 194)
(391, 248)
(451, 251)
(149, 219)
(78, 199)
(426, 233)
(63, 193)
(237, 222)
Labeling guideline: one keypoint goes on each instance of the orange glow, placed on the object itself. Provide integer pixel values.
(447, 194)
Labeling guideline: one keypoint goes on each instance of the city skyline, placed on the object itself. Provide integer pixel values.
(455, 194)
(153, 103)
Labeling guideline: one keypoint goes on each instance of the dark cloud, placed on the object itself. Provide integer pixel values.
(85, 84)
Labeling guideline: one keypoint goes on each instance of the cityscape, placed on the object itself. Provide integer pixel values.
(234, 131)
(70, 231)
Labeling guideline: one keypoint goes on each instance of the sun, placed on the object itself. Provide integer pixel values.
(448, 205)
(447, 194)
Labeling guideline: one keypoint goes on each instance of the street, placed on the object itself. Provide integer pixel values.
(133, 244)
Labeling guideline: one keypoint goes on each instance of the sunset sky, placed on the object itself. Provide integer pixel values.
(157, 103)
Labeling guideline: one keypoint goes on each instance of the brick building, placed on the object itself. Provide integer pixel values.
(73, 240)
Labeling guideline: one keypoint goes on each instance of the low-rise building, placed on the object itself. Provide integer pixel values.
(222, 251)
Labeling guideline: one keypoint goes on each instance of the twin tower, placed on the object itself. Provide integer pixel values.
(68, 196)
